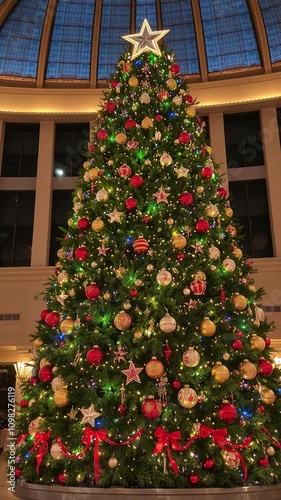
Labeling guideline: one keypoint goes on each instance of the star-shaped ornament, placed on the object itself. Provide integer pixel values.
(132, 373)
(72, 414)
(89, 415)
(120, 271)
(146, 40)
(120, 354)
(182, 172)
(191, 304)
(102, 250)
(198, 247)
(115, 216)
(161, 196)
(61, 298)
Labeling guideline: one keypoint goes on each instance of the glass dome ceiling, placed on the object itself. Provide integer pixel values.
(49, 43)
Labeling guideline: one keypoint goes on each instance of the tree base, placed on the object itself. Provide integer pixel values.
(28, 491)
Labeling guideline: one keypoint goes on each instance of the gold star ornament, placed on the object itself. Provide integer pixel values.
(146, 40)
(89, 415)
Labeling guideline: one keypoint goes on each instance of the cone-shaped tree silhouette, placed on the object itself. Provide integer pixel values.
(153, 364)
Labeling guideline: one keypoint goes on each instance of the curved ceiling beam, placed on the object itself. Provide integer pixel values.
(260, 32)
(95, 44)
(5, 10)
(200, 40)
(45, 42)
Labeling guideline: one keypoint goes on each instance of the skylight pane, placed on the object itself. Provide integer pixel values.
(20, 39)
(146, 10)
(115, 23)
(71, 40)
(271, 11)
(229, 35)
(178, 17)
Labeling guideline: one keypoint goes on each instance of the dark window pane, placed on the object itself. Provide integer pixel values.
(16, 227)
(70, 148)
(278, 111)
(20, 150)
(61, 207)
(243, 140)
(250, 206)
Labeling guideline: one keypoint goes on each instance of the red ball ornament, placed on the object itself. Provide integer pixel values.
(131, 203)
(194, 479)
(81, 253)
(184, 137)
(232, 230)
(130, 123)
(265, 368)
(209, 463)
(222, 192)
(227, 412)
(124, 171)
(88, 317)
(52, 319)
(198, 287)
(176, 384)
(267, 341)
(17, 472)
(186, 198)
(239, 334)
(24, 403)
(261, 409)
(93, 291)
(175, 69)
(114, 83)
(110, 106)
(62, 478)
(33, 380)
(83, 223)
(140, 245)
(151, 408)
(158, 118)
(44, 314)
(237, 345)
(188, 99)
(146, 219)
(180, 256)
(264, 462)
(202, 226)
(136, 181)
(102, 134)
(94, 356)
(133, 293)
(45, 373)
(206, 173)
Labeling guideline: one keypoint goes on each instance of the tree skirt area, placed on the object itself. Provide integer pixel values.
(57, 492)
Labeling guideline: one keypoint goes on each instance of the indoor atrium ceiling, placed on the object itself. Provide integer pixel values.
(70, 43)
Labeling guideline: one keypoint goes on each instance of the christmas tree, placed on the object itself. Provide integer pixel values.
(153, 365)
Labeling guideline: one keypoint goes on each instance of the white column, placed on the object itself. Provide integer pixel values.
(272, 157)
(217, 137)
(43, 198)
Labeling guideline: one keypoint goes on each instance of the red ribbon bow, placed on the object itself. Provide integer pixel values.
(219, 437)
(41, 442)
(170, 440)
(277, 443)
(91, 436)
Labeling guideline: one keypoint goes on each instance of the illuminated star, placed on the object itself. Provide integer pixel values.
(161, 196)
(102, 250)
(120, 354)
(182, 172)
(132, 373)
(89, 415)
(198, 247)
(72, 414)
(120, 271)
(115, 216)
(146, 40)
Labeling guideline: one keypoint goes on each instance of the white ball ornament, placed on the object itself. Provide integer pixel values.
(270, 451)
(167, 324)
(186, 291)
(229, 265)
(112, 462)
(164, 277)
(102, 195)
(212, 210)
(191, 357)
(231, 459)
(56, 452)
(214, 253)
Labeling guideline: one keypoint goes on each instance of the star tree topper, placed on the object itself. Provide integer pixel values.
(146, 40)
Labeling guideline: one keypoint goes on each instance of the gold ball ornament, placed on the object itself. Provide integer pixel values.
(58, 383)
(257, 342)
(228, 211)
(86, 165)
(208, 149)
(127, 305)
(239, 302)
(200, 189)
(207, 327)
(37, 343)
(191, 357)
(112, 462)
(179, 241)
(247, 370)
(86, 176)
(122, 321)
(62, 277)
(56, 452)
(121, 138)
(61, 397)
(44, 362)
(167, 324)
(220, 373)
(36, 425)
(146, 122)
(170, 221)
(212, 210)
(238, 253)
(154, 368)
(93, 173)
(200, 275)
(138, 334)
(97, 225)
(171, 84)
(150, 268)
(106, 296)
(164, 277)
(67, 326)
(166, 160)
(191, 111)
(133, 81)
(187, 397)
(61, 253)
(270, 451)
(102, 195)
(267, 396)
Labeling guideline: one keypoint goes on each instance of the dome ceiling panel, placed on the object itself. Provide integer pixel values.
(80, 42)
